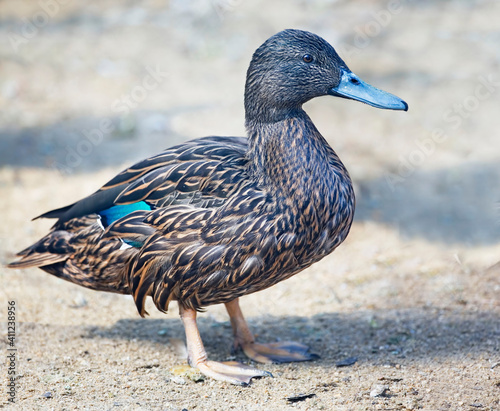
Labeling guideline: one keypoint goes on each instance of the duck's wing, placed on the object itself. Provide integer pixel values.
(84, 246)
(200, 172)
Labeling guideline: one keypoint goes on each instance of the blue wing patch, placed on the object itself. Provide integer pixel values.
(110, 215)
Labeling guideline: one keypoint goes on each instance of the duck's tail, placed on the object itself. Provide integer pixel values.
(76, 252)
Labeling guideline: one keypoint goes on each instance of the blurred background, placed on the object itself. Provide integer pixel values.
(88, 88)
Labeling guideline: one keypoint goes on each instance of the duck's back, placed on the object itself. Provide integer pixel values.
(202, 172)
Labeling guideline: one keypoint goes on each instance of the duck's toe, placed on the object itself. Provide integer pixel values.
(287, 351)
(231, 371)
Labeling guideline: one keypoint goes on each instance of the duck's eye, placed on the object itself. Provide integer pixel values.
(307, 58)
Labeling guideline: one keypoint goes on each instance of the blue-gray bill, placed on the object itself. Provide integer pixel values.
(352, 87)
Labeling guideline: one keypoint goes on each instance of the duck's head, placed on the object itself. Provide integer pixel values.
(294, 66)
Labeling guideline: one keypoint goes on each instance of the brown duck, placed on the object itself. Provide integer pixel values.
(217, 218)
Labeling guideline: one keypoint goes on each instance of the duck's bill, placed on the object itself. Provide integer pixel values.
(352, 87)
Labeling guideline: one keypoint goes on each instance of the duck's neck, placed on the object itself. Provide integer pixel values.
(291, 156)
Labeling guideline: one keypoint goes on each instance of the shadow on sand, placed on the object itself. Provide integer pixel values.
(375, 337)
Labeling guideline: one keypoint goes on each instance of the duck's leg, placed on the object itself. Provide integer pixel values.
(287, 351)
(230, 371)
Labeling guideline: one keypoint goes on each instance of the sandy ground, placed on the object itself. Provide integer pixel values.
(413, 294)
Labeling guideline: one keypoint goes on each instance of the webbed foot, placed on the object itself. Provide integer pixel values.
(231, 371)
(286, 351)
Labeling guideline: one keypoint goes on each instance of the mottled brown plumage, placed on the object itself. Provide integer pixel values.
(217, 218)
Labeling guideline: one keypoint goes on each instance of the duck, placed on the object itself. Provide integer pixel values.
(217, 218)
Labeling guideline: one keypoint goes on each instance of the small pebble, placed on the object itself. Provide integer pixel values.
(300, 397)
(379, 390)
(79, 302)
(346, 362)
(185, 371)
(48, 394)
(178, 380)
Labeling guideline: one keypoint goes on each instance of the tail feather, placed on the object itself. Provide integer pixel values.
(78, 252)
(57, 213)
(37, 260)
(105, 281)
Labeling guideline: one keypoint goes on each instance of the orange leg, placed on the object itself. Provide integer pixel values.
(287, 351)
(231, 371)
